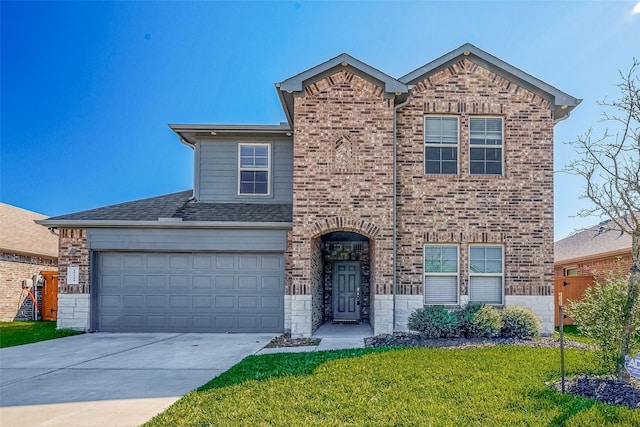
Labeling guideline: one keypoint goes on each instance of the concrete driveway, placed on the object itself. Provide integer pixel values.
(105, 379)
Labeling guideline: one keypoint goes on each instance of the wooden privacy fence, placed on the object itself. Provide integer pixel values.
(572, 288)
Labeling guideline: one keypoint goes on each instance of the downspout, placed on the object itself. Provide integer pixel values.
(395, 200)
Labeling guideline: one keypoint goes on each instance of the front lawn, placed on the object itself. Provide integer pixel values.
(18, 333)
(495, 386)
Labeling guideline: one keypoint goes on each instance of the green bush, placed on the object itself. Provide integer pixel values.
(479, 321)
(599, 316)
(519, 322)
(434, 321)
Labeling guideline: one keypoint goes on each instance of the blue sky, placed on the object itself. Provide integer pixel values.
(88, 88)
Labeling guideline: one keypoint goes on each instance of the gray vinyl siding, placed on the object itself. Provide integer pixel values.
(188, 240)
(216, 172)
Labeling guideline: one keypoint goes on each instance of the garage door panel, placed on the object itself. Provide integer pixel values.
(201, 282)
(133, 261)
(225, 282)
(178, 302)
(203, 261)
(182, 292)
(249, 302)
(248, 282)
(225, 261)
(156, 282)
(225, 302)
(248, 262)
(179, 282)
(271, 262)
(201, 301)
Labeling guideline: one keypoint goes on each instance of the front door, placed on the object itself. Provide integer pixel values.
(346, 291)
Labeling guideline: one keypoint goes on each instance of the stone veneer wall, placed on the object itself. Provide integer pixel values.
(515, 209)
(342, 175)
(14, 268)
(73, 300)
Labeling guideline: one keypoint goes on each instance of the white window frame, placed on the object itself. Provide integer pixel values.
(501, 146)
(490, 275)
(568, 269)
(254, 168)
(428, 145)
(427, 274)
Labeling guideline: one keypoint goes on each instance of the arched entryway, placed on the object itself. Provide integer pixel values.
(341, 278)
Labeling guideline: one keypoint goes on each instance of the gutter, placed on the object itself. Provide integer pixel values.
(395, 203)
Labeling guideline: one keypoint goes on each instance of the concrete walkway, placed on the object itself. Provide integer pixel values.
(333, 337)
(107, 379)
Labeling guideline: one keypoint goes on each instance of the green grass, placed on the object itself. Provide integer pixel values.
(498, 386)
(571, 333)
(18, 333)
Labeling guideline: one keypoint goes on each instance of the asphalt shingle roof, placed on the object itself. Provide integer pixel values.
(599, 239)
(179, 205)
(20, 234)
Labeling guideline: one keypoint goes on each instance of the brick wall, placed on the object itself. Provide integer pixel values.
(73, 252)
(595, 267)
(14, 268)
(343, 173)
(515, 209)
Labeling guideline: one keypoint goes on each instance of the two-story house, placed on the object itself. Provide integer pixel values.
(377, 196)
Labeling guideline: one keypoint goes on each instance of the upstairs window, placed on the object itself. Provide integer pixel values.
(486, 276)
(254, 169)
(485, 145)
(441, 145)
(441, 274)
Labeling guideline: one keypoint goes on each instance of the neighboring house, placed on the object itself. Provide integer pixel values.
(292, 225)
(26, 249)
(592, 251)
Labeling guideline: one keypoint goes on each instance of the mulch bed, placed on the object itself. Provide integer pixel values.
(409, 339)
(285, 340)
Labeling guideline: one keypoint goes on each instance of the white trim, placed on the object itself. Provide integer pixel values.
(425, 273)
(501, 146)
(255, 168)
(424, 144)
(501, 275)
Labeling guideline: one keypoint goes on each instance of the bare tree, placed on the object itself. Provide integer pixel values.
(610, 165)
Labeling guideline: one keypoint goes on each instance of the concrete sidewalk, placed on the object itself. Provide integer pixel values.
(107, 379)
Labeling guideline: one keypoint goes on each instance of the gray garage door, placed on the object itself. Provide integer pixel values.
(189, 292)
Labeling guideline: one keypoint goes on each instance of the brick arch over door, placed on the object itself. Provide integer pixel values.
(320, 260)
(340, 223)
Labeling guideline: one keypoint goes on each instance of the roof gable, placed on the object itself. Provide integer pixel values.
(295, 85)
(561, 102)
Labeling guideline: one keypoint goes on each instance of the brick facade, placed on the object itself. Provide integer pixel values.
(514, 210)
(596, 266)
(343, 161)
(343, 176)
(73, 252)
(14, 268)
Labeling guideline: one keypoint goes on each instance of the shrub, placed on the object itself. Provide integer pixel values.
(599, 316)
(519, 322)
(477, 320)
(434, 321)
